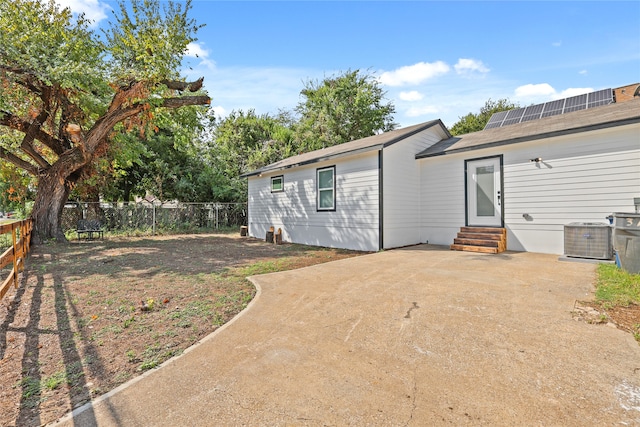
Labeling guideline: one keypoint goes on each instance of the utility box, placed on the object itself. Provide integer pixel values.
(588, 240)
(626, 240)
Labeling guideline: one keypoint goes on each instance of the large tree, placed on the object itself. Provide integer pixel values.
(476, 122)
(66, 91)
(341, 109)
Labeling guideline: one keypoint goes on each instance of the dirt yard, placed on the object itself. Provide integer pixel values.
(91, 315)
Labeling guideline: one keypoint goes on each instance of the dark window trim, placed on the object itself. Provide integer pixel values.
(318, 208)
(282, 183)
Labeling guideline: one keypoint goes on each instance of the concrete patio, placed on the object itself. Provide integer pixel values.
(408, 337)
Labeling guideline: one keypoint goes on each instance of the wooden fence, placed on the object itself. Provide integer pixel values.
(17, 253)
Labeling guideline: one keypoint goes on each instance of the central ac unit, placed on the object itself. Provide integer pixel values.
(588, 240)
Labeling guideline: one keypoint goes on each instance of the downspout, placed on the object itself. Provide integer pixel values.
(380, 204)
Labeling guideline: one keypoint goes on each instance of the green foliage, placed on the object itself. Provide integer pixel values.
(16, 188)
(168, 161)
(244, 142)
(617, 286)
(476, 122)
(40, 37)
(147, 42)
(342, 109)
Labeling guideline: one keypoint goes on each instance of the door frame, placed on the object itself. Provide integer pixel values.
(500, 157)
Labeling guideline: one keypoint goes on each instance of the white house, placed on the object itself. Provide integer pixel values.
(528, 176)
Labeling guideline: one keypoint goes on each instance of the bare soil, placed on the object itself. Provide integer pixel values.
(626, 318)
(90, 315)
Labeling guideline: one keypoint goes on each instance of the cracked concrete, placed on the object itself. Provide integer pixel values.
(417, 336)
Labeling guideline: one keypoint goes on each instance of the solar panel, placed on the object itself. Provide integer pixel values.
(601, 97)
(575, 103)
(493, 125)
(496, 120)
(551, 108)
(532, 112)
(513, 116)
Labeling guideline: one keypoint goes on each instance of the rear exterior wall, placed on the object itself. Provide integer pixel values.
(353, 225)
(582, 178)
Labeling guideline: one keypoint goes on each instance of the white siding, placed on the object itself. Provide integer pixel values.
(401, 188)
(442, 198)
(354, 224)
(582, 178)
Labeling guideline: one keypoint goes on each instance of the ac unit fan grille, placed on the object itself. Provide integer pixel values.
(588, 240)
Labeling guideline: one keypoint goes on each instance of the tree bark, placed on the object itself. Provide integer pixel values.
(52, 194)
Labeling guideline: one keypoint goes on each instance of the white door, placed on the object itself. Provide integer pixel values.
(484, 192)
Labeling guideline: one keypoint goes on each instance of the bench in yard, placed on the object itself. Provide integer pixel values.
(89, 228)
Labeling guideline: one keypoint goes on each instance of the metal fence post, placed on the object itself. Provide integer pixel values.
(153, 220)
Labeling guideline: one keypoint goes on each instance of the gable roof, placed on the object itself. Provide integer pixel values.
(606, 116)
(370, 143)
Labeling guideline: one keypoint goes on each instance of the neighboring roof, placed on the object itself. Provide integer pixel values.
(605, 116)
(370, 143)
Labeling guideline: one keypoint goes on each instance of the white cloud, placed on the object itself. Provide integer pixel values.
(414, 74)
(94, 10)
(413, 95)
(534, 91)
(582, 72)
(467, 66)
(421, 111)
(196, 50)
(556, 44)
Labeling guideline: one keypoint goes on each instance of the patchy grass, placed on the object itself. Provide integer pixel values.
(615, 286)
(618, 294)
(91, 315)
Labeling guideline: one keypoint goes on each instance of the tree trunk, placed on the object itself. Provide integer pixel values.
(53, 192)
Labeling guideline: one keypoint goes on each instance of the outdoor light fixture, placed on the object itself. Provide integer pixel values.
(537, 160)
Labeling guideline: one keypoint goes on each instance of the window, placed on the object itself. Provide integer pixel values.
(326, 186)
(277, 184)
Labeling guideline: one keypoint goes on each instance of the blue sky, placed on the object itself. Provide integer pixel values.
(433, 59)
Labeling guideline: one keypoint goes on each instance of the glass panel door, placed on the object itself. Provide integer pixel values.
(484, 198)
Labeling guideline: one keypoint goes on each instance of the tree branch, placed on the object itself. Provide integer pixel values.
(189, 86)
(29, 136)
(186, 100)
(16, 123)
(23, 164)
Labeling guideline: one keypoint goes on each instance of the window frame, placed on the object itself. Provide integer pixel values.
(320, 190)
(281, 178)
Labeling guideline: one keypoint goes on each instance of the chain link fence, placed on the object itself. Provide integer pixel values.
(151, 218)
